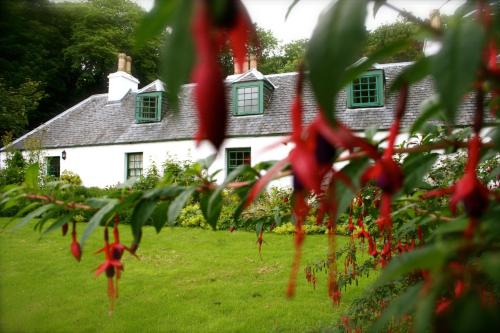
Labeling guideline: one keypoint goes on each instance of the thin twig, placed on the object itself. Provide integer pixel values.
(71, 205)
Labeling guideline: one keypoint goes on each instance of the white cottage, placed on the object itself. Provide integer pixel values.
(108, 138)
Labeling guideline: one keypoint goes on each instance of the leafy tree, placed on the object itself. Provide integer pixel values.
(16, 104)
(390, 33)
(69, 47)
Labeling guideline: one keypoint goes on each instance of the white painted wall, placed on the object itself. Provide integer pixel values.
(106, 165)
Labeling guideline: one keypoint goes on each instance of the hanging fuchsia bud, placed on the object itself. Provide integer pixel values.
(76, 249)
(64, 229)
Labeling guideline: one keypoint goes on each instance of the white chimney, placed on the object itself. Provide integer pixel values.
(121, 81)
(432, 47)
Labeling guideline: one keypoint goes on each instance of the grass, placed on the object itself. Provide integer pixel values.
(187, 280)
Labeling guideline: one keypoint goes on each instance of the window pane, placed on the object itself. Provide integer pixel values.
(365, 90)
(134, 165)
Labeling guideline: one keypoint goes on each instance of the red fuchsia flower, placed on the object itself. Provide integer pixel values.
(442, 306)
(420, 235)
(363, 234)
(388, 176)
(76, 249)
(209, 35)
(468, 190)
(386, 254)
(372, 247)
(111, 266)
(400, 247)
(303, 156)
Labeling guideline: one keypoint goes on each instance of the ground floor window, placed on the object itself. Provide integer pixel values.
(134, 165)
(53, 164)
(236, 157)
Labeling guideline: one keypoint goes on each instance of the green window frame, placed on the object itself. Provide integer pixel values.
(248, 98)
(236, 157)
(367, 90)
(148, 107)
(134, 165)
(53, 166)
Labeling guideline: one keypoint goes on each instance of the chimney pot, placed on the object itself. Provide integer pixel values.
(128, 67)
(253, 61)
(122, 62)
(122, 81)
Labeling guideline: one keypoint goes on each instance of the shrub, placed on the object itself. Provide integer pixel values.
(192, 217)
(13, 173)
(69, 177)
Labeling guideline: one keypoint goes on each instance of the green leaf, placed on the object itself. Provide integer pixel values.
(142, 212)
(429, 109)
(258, 228)
(490, 263)
(455, 67)
(456, 226)
(214, 205)
(155, 21)
(28, 208)
(34, 214)
(399, 307)
(336, 43)
(159, 215)
(412, 74)
(170, 191)
(96, 219)
(176, 206)
(213, 211)
(205, 163)
(415, 167)
(425, 309)
(428, 257)
(178, 53)
(40, 223)
(366, 63)
(31, 177)
(58, 223)
(10, 202)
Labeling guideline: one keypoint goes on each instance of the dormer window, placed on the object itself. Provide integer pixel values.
(148, 107)
(248, 98)
(251, 97)
(367, 90)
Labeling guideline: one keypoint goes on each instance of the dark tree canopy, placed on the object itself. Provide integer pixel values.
(66, 51)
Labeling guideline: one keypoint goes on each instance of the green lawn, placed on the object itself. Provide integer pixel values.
(187, 280)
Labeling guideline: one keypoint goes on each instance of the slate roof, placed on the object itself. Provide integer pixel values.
(95, 121)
